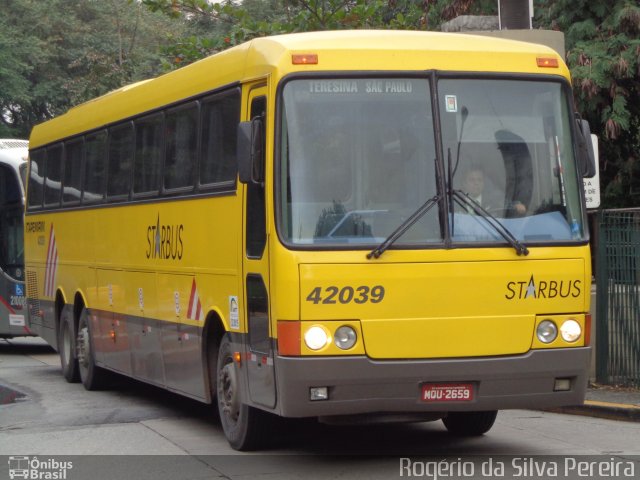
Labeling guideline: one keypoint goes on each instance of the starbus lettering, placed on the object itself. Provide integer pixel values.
(543, 289)
(165, 241)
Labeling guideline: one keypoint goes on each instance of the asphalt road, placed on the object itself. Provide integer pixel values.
(137, 431)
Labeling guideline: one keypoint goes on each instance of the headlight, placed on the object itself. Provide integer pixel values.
(570, 331)
(547, 331)
(316, 338)
(345, 337)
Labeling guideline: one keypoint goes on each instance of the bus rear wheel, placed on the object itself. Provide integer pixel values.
(245, 427)
(67, 347)
(92, 376)
(470, 424)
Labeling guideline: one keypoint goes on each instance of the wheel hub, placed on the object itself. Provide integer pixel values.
(228, 392)
(82, 346)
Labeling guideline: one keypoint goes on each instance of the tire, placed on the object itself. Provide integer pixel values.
(92, 376)
(67, 346)
(470, 424)
(245, 427)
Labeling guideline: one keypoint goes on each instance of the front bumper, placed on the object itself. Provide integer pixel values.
(361, 385)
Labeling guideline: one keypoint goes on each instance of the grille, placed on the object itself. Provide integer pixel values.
(33, 300)
(13, 143)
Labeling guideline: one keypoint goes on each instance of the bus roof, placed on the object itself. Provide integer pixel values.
(14, 154)
(348, 50)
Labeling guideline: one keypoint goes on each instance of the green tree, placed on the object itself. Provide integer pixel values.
(233, 23)
(59, 53)
(603, 53)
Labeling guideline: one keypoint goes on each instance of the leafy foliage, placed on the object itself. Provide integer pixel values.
(59, 53)
(603, 53)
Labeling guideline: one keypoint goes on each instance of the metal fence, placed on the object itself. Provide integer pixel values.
(618, 297)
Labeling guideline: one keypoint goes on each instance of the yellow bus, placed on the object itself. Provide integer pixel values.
(286, 228)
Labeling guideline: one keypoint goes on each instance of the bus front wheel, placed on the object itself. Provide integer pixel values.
(470, 424)
(245, 427)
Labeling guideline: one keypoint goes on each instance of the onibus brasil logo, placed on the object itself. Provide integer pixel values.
(37, 469)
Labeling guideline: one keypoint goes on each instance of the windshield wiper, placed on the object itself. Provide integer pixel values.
(464, 200)
(404, 226)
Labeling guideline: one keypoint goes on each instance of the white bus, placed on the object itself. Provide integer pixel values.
(13, 168)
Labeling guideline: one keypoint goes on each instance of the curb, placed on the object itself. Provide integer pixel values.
(607, 410)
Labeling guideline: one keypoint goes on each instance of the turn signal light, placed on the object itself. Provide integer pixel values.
(304, 58)
(587, 330)
(289, 336)
(547, 62)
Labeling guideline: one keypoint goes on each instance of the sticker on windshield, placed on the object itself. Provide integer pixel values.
(451, 102)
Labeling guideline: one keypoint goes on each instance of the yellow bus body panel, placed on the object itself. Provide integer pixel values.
(111, 255)
(435, 309)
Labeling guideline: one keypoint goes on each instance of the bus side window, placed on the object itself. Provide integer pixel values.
(36, 180)
(120, 161)
(95, 146)
(53, 180)
(72, 172)
(148, 161)
(220, 116)
(181, 137)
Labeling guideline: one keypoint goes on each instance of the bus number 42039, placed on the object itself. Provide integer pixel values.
(332, 295)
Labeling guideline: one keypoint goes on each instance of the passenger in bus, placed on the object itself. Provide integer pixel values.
(518, 171)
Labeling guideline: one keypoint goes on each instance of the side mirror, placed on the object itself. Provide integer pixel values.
(250, 150)
(587, 158)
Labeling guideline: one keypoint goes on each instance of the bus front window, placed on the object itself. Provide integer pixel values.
(357, 158)
(510, 146)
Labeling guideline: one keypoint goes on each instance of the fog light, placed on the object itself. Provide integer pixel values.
(562, 385)
(345, 337)
(570, 331)
(547, 331)
(318, 393)
(316, 338)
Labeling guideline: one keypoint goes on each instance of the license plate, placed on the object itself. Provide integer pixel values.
(447, 392)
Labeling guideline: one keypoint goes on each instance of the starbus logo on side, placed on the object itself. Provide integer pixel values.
(165, 241)
(543, 289)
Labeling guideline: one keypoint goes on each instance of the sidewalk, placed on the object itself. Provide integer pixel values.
(614, 403)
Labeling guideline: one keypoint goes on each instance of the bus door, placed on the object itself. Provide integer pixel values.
(260, 367)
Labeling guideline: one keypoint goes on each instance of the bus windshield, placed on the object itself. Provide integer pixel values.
(358, 156)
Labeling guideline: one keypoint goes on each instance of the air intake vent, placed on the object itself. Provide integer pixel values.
(33, 300)
(9, 143)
